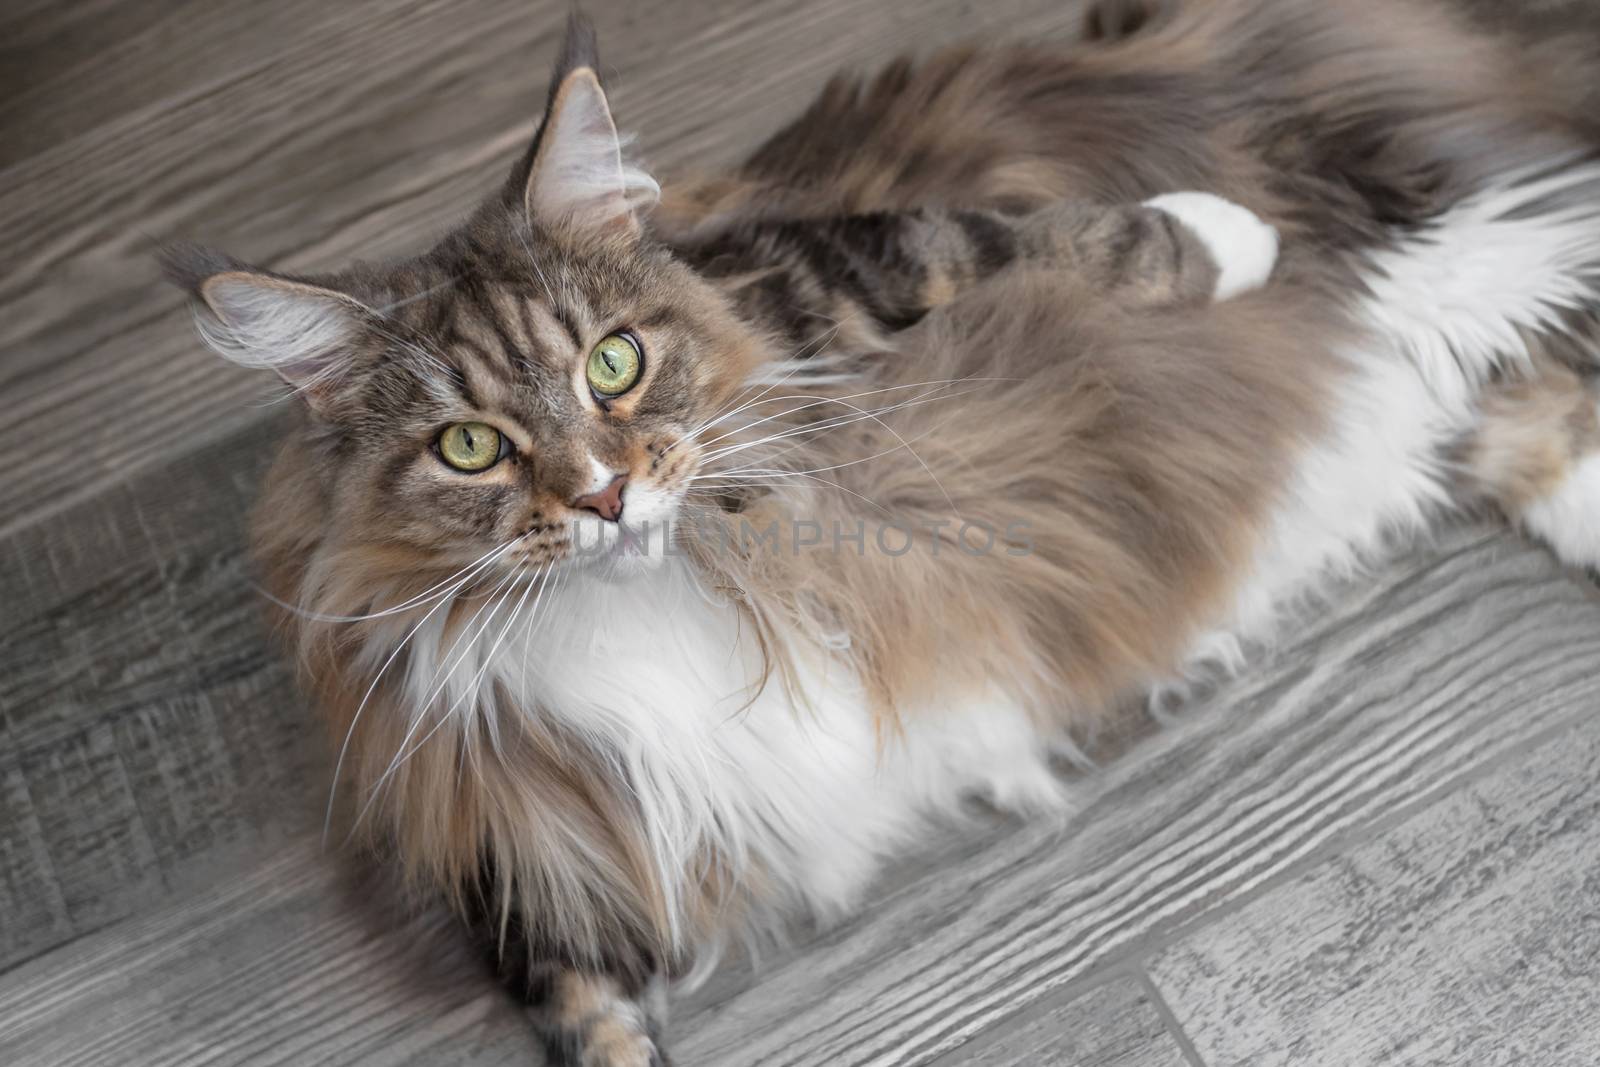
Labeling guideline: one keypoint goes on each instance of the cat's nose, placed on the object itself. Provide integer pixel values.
(607, 503)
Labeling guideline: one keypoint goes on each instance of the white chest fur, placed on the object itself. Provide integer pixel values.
(659, 673)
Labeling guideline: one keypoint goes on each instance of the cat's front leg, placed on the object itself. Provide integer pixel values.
(608, 1011)
(590, 1019)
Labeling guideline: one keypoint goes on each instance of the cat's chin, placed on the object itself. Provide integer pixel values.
(627, 565)
(629, 556)
(642, 542)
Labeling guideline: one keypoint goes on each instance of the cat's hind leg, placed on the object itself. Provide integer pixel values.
(1536, 454)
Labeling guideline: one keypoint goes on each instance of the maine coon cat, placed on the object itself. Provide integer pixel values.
(660, 570)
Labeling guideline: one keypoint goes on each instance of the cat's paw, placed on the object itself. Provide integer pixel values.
(1244, 248)
(608, 1046)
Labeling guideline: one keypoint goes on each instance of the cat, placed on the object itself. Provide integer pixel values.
(662, 566)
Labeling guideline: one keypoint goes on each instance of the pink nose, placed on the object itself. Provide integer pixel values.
(607, 503)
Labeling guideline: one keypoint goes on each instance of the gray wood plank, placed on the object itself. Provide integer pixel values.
(288, 963)
(66, 69)
(347, 131)
(1112, 1025)
(1468, 934)
(150, 734)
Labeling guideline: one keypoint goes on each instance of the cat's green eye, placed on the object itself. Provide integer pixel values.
(471, 446)
(614, 365)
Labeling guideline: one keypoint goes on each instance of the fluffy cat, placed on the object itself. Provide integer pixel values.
(660, 569)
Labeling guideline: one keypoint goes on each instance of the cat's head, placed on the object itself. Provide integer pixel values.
(530, 381)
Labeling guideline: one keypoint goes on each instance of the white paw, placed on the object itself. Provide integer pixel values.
(1244, 247)
(1568, 519)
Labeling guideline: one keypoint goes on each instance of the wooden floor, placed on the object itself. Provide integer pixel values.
(1378, 846)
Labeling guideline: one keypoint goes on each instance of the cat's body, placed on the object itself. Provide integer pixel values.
(615, 766)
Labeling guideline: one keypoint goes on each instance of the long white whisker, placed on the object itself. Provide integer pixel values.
(472, 686)
(533, 261)
(855, 413)
(904, 443)
(916, 401)
(527, 635)
(831, 332)
(834, 422)
(344, 748)
(811, 400)
(814, 400)
(431, 593)
(448, 672)
(403, 301)
(821, 470)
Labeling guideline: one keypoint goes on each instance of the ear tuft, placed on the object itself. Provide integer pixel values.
(575, 174)
(580, 48)
(302, 331)
(188, 265)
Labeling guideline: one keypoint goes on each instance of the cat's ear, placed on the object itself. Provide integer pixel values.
(575, 175)
(303, 331)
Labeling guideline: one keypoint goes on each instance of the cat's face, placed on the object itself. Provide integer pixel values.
(528, 391)
(545, 403)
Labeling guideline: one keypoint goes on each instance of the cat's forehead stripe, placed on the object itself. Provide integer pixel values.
(478, 358)
(552, 326)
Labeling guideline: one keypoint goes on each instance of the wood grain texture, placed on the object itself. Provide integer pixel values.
(1468, 934)
(1113, 1025)
(286, 964)
(150, 733)
(327, 132)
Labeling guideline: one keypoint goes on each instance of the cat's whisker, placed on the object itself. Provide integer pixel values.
(533, 261)
(559, 576)
(818, 424)
(471, 691)
(738, 403)
(811, 400)
(403, 301)
(449, 587)
(495, 603)
(835, 422)
(412, 346)
(366, 698)
(832, 467)
(798, 365)
(821, 341)
(433, 592)
(445, 668)
(913, 402)
(856, 413)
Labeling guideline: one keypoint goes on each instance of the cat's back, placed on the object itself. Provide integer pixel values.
(1340, 122)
